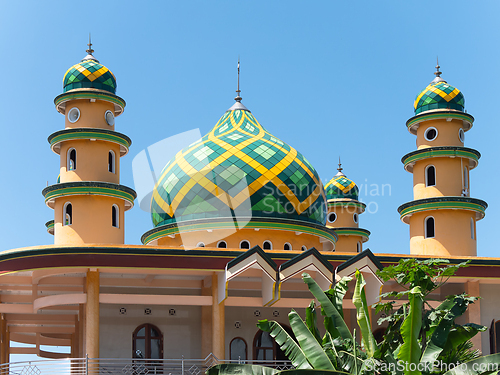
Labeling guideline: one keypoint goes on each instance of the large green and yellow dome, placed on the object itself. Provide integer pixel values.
(341, 187)
(439, 95)
(240, 169)
(89, 74)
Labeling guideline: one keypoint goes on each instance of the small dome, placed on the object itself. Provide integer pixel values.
(89, 74)
(238, 170)
(439, 95)
(340, 187)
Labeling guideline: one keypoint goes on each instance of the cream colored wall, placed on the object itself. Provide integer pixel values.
(452, 234)
(449, 181)
(345, 217)
(233, 239)
(348, 244)
(91, 221)
(447, 133)
(489, 310)
(181, 333)
(91, 161)
(91, 114)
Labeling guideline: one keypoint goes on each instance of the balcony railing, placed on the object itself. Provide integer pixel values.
(110, 366)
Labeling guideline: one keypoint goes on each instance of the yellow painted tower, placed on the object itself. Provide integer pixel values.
(88, 200)
(343, 213)
(442, 216)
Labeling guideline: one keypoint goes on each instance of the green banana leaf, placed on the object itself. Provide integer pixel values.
(460, 334)
(488, 364)
(308, 343)
(338, 292)
(410, 329)
(362, 315)
(439, 337)
(291, 349)
(238, 369)
(337, 325)
(311, 321)
(312, 372)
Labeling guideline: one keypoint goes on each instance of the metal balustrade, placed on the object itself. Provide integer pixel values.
(126, 366)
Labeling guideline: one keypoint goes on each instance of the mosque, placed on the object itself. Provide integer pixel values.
(237, 217)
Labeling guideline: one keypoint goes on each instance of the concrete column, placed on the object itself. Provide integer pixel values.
(3, 338)
(473, 313)
(92, 315)
(206, 320)
(218, 320)
(81, 330)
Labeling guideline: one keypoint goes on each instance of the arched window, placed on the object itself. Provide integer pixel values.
(495, 337)
(68, 214)
(430, 176)
(244, 245)
(466, 179)
(265, 348)
(238, 349)
(147, 342)
(115, 216)
(472, 231)
(287, 246)
(111, 162)
(267, 245)
(71, 160)
(358, 247)
(303, 248)
(200, 244)
(222, 244)
(429, 227)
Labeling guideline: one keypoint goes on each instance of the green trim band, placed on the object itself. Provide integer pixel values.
(229, 223)
(442, 203)
(60, 100)
(89, 188)
(50, 226)
(413, 123)
(411, 158)
(351, 231)
(346, 203)
(89, 133)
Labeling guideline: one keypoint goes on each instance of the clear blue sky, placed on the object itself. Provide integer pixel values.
(330, 78)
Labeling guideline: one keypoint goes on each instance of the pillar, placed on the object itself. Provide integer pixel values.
(92, 315)
(218, 328)
(473, 314)
(3, 339)
(206, 320)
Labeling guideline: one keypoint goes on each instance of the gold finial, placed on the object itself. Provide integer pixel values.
(340, 166)
(437, 73)
(90, 51)
(238, 97)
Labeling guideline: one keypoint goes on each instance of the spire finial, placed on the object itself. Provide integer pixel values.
(437, 73)
(238, 97)
(90, 51)
(340, 166)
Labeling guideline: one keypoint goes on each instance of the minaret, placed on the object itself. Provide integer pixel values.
(344, 209)
(442, 216)
(88, 200)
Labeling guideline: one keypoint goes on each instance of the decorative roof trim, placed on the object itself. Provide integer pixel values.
(442, 203)
(411, 158)
(346, 202)
(352, 231)
(354, 259)
(413, 123)
(230, 223)
(60, 100)
(51, 193)
(56, 138)
(50, 227)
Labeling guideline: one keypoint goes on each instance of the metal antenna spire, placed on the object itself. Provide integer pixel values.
(340, 166)
(437, 73)
(90, 51)
(238, 97)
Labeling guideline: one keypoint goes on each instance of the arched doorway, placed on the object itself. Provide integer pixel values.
(266, 349)
(147, 342)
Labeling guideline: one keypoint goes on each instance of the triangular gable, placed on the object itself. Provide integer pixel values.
(310, 260)
(255, 258)
(368, 265)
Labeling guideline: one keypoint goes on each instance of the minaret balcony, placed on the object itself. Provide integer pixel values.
(57, 138)
(411, 158)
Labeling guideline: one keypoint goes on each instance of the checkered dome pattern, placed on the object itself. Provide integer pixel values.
(439, 95)
(238, 170)
(341, 187)
(89, 74)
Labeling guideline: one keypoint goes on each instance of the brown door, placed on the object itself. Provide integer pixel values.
(147, 342)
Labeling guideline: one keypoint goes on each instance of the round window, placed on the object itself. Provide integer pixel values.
(110, 118)
(355, 218)
(73, 115)
(431, 134)
(332, 216)
(461, 135)
(303, 248)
